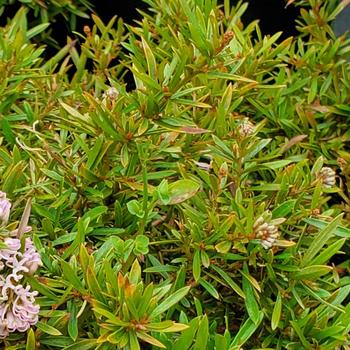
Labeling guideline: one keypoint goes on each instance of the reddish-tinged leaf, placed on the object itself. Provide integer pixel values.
(193, 130)
(293, 141)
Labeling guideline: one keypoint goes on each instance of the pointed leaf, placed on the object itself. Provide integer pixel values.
(246, 331)
(321, 239)
(170, 301)
(149, 339)
(276, 314)
(31, 344)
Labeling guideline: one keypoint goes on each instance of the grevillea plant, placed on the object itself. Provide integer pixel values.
(190, 183)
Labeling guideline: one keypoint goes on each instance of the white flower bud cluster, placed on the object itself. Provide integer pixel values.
(18, 310)
(327, 176)
(111, 93)
(267, 233)
(246, 128)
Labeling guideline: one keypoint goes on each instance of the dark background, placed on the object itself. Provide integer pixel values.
(272, 14)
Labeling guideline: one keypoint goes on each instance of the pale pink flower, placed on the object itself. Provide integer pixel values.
(24, 307)
(4, 332)
(14, 233)
(31, 257)
(19, 313)
(27, 262)
(13, 245)
(7, 284)
(5, 206)
(3, 310)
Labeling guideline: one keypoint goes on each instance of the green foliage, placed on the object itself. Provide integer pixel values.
(191, 212)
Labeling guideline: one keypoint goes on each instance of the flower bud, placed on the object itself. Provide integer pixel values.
(246, 128)
(111, 93)
(327, 176)
(31, 257)
(266, 233)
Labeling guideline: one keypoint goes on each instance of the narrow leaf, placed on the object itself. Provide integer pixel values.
(170, 301)
(209, 288)
(44, 327)
(276, 314)
(31, 340)
(246, 331)
(320, 240)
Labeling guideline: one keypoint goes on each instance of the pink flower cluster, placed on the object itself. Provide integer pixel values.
(19, 313)
(27, 262)
(18, 310)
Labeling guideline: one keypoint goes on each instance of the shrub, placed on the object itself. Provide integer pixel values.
(202, 209)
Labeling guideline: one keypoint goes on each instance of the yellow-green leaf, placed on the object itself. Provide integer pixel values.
(170, 301)
(312, 272)
(276, 313)
(30, 340)
(149, 339)
(44, 327)
(181, 190)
